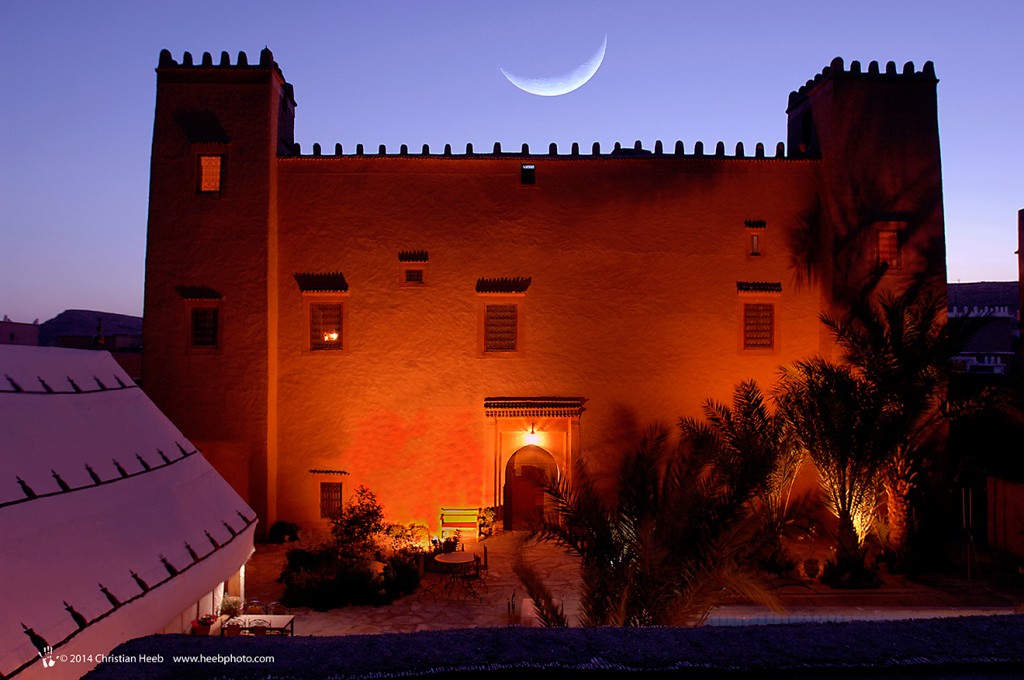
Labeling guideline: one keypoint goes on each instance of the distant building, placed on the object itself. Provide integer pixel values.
(994, 348)
(448, 326)
(119, 334)
(18, 333)
(1020, 271)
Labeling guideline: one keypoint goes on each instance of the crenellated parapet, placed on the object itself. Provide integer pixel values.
(207, 72)
(266, 60)
(636, 150)
(836, 70)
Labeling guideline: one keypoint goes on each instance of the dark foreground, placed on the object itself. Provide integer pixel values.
(966, 647)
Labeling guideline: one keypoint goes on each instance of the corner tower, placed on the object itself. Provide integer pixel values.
(877, 138)
(210, 300)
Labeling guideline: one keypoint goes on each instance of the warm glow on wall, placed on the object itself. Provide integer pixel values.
(531, 437)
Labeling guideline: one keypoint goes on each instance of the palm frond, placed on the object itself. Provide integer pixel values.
(549, 614)
(669, 544)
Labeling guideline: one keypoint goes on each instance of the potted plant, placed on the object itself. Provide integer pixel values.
(231, 606)
(201, 626)
(488, 516)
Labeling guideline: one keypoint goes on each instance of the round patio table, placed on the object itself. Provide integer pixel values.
(457, 564)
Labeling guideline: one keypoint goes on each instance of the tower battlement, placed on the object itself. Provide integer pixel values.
(167, 63)
(266, 60)
(836, 70)
(199, 122)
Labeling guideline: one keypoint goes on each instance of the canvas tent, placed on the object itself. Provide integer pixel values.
(112, 525)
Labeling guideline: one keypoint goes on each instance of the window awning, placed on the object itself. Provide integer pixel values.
(533, 407)
(328, 282)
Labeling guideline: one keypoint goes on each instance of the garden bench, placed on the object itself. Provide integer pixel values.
(460, 519)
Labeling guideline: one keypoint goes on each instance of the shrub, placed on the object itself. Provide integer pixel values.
(324, 579)
(405, 574)
(366, 562)
(449, 544)
(407, 538)
(282, 531)
(842, 576)
(360, 523)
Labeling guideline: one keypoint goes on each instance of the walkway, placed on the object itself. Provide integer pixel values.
(898, 598)
(423, 611)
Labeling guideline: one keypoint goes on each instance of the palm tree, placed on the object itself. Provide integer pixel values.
(902, 346)
(750, 428)
(840, 420)
(670, 543)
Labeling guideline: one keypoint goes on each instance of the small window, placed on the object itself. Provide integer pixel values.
(758, 326)
(501, 328)
(209, 174)
(325, 330)
(889, 254)
(528, 173)
(205, 326)
(330, 499)
(755, 236)
(412, 268)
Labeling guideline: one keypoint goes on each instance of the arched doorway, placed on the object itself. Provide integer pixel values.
(527, 472)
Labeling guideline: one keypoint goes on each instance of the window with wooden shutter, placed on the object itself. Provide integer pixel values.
(205, 322)
(330, 499)
(889, 248)
(210, 174)
(501, 328)
(758, 326)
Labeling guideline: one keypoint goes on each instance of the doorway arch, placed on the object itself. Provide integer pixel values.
(527, 472)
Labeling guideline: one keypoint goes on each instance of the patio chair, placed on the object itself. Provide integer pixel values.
(231, 628)
(473, 578)
(259, 626)
(276, 608)
(255, 607)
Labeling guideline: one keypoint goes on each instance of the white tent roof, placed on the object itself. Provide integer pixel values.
(110, 495)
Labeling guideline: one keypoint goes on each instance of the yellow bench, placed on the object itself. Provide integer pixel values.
(460, 519)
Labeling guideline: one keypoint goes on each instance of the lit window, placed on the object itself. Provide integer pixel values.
(528, 173)
(758, 325)
(330, 499)
(209, 174)
(325, 332)
(501, 328)
(205, 324)
(889, 249)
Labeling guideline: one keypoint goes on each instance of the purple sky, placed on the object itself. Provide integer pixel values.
(79, 87)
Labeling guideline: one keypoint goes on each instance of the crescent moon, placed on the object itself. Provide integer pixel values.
(553, 86)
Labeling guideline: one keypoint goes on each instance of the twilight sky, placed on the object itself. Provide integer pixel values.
(79, 90)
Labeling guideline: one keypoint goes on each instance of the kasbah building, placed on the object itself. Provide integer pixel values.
(448, 326)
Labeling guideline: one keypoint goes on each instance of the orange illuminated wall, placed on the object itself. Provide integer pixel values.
(409, 318)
